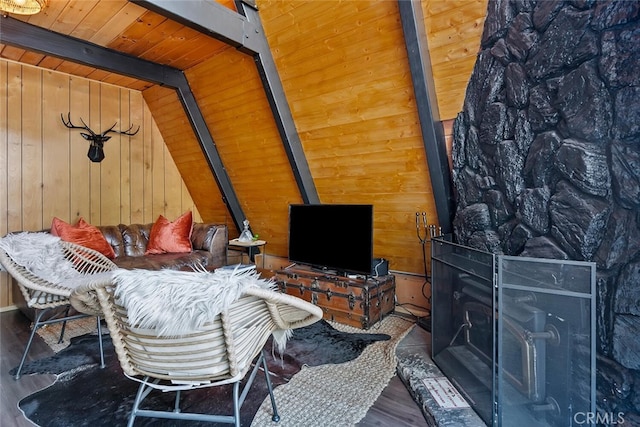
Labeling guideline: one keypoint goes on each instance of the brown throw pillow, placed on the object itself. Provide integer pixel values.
(171, 237)
(83, 234)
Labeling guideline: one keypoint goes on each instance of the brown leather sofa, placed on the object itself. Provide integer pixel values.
(129, 242)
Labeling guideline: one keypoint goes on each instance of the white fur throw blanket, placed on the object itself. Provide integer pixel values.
(41, 254)
(178, 302)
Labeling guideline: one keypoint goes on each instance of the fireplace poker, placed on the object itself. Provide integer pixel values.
(423, 240)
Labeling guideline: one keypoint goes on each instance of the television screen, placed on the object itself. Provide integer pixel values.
(332, 237)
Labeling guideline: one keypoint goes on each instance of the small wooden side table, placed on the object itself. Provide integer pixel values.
(251, 247)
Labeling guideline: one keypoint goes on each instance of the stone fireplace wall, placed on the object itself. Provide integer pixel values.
(546, 159)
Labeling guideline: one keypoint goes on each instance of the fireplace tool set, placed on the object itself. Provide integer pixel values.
(425, 233)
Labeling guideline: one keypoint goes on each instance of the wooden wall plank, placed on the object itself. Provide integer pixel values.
(110, 167)
(157, 173)
(136, 159)
(44, 169)
(147, 145)
(14, 147)
(55, 170)
(125, 157)
(95, 168)
(79, 96)
(172, 186)
(187, 202)
(32, 149)
(5, 282)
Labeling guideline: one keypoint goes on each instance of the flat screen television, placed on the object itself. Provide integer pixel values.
(335, 237)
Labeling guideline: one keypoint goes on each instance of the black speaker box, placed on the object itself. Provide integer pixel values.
(379, 267)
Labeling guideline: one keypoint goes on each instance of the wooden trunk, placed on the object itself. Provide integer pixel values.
(352, 301)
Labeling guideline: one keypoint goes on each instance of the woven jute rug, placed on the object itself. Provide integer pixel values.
(341, 394)
(51, 333)
(107, 395)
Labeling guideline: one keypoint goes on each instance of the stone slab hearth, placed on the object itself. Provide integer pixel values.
(414, 366)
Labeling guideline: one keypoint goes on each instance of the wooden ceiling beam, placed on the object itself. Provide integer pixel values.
(210, 18)
(426, 102)
(31, 37)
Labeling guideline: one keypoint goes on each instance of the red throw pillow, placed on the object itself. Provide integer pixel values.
(83, 234)
(173, 237)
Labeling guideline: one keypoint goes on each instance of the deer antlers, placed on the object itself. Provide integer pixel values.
(97, 140)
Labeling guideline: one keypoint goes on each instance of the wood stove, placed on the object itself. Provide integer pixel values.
(515, 335)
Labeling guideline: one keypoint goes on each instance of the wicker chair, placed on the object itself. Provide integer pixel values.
(221, 352)
(50, 300)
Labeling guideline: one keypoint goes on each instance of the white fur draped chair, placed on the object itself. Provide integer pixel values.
(46, 269)
(175, 331)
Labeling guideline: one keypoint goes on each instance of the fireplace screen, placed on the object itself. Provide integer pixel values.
(515, 335)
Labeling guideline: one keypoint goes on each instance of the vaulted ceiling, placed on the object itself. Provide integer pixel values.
(352, 120)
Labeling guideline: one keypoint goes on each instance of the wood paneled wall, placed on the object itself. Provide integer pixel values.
(454, 28)
(232, 98)
(44, 170)
(345, 72)
(186, 151)
(344, 69)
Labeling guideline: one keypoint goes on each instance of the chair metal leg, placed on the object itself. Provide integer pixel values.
(176, 405)
(64, 325)
(136, 404)
(236, 404)
(276, 417)
(238, 399)
(102, 365)
(36, 325)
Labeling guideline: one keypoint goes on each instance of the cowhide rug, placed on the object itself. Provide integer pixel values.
(86, 395)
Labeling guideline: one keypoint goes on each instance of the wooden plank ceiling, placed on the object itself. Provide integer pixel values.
(122, 26)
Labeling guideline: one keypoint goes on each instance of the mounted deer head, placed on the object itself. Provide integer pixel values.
(97, 140)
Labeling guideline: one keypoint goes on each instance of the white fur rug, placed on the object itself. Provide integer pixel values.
(40, 253)
(177, 302)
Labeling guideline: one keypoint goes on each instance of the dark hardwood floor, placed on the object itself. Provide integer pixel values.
(14, 333)
(394, 407)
